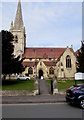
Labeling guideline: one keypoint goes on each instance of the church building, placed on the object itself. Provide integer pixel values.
(41, 62)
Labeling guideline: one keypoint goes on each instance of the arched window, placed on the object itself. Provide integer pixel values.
(30, 71)
(51, 71)
(40, 63)
(16, 38)
(68, 61)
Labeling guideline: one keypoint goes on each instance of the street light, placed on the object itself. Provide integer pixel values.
(35, 65)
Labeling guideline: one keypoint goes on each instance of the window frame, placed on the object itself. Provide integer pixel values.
(16, 39)
(30, 70)
(51, 71)
(68, 62)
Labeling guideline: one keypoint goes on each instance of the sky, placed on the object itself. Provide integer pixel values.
(47, 24)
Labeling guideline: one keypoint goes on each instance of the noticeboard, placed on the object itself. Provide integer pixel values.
(79, 76)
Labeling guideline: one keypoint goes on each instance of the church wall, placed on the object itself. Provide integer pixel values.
(40, 66)
(19, 45)
(60, 70)
(26, 72)
(68, 72)
(51, 75)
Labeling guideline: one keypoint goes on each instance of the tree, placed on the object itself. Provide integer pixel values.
(7, 51)
(80, 59)
(17, 65)
(10, 64)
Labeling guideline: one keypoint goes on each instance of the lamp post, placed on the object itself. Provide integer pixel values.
(46, 73)
(35, 68)
(55, 66)
(35, 64)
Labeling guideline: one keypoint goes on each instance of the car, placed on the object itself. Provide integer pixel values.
(23, 77)
(75, 95)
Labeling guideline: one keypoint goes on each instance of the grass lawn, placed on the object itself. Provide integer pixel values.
(17, 85)
(0, 87)
(64, 84)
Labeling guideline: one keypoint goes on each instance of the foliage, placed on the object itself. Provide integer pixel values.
(80, 59)
(7, 51)
(17, 65)
(10, 63)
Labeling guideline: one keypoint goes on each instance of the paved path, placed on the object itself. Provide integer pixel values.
(33, 99)
(44, 87)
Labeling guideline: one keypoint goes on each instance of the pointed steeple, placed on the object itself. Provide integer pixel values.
(18, 24)
(11, 27)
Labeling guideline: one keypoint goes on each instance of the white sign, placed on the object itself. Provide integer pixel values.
(79, 76)
(41, 77)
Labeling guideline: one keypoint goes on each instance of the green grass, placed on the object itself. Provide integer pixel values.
(49, 82)
(29, 85)
(17, 85)
(64, 84)
(0, 87)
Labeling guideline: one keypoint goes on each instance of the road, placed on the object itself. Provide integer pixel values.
(41, 110)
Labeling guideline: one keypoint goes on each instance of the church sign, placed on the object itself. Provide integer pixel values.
(79, 76)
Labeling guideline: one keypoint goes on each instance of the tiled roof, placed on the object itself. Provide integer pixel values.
(47, 63)
(43, 52)
(54, 53)
(29, 64)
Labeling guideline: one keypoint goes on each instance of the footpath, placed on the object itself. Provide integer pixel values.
(33, 99)
(28, 97)
(44, 88)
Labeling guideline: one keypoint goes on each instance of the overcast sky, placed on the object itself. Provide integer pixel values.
(47, 24)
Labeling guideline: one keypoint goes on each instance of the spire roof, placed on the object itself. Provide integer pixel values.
(11, 27)
(18, 24)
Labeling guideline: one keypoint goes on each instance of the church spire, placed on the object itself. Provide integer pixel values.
(11, 27)
(18, 24)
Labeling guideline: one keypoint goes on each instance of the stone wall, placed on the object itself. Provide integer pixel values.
(67, 72)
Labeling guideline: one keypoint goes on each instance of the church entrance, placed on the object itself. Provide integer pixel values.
(40, 73)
